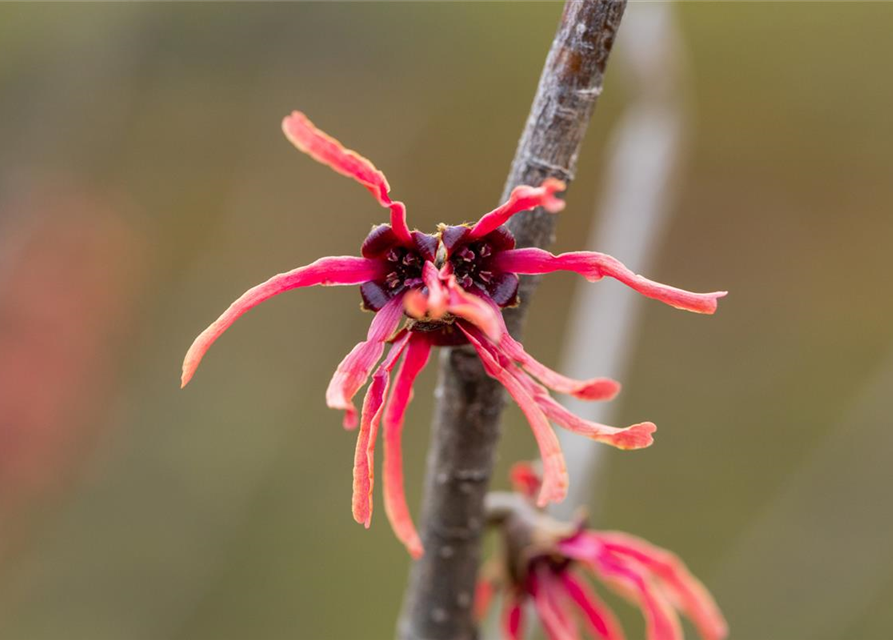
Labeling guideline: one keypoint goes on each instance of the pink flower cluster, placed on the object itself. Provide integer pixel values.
(443, 289)
(546, 564)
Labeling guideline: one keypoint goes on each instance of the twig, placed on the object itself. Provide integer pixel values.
(438, 600)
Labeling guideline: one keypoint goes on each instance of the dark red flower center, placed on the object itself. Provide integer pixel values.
(402, 264)
(405, 269)
(470, 264)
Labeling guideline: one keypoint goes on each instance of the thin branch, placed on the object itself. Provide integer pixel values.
(439, 596)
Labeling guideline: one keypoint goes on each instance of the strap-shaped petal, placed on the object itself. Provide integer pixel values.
(475, 310)
(354, 370)
(327, 150)
(685, 590)
(521, 199)
(637, 436)
(364, 458)
(598, 616)
(555, 480)
(594, 266)
(630, 581)
(325, 271)
(415, 359)
(548, 598)
(592, 389)
(512, 622)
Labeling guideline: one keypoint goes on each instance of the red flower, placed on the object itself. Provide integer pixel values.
(545, 561)
(451, 286)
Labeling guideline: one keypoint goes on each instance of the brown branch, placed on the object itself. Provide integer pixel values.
(439, 596)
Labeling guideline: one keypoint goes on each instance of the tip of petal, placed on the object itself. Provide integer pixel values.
(598, 389)
(709, 303)
(551, 203)
(190, 364)
(415, 304)
(416, 550)
(638, 436)
(351, 420)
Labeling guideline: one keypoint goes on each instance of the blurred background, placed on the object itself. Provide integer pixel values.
(145, 183)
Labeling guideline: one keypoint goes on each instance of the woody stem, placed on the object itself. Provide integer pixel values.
(438, 600)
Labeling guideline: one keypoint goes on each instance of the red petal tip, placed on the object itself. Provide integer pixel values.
(598, 389)
(638, 436)
(551, 203)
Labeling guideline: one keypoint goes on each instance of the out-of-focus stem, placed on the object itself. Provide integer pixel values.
(633, 210)
(438, 600)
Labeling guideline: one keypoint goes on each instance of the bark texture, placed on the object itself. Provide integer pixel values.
(440, 593)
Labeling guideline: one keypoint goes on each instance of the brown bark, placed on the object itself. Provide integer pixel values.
(440, 593)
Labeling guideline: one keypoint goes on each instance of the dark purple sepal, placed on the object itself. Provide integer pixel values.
(374, 295)
(379, 241)
(425, 244)
(503, 289)
(500, 239)
(453, 236)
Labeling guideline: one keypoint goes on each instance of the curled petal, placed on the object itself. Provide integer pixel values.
(327, 150)
(637, 436)
(521, 199)
(354, 370)
(364, 459)
(598, 615)
(417, 353)
(325, 271)
(475, 310)
(690, 595)
(595, 266)
(555, 481)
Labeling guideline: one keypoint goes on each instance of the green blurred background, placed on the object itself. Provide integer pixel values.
(144, 184)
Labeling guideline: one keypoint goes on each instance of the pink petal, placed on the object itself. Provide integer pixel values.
(637, 436)
(484, 591)
(475, 310)
(595, 266)
(512, 618)
(525, 479)
(661, 622)
(548, 600)
(354, 370)
(592, 389)
(414, 361)
(521, 199)
(325, 271)
(364, 458)
(555, 480)
(437, 293)
(327, 150)
(598, 615)
(415, 304)
(691, 595)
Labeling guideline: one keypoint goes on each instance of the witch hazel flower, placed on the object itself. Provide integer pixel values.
(549, 564)
(442, 289)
